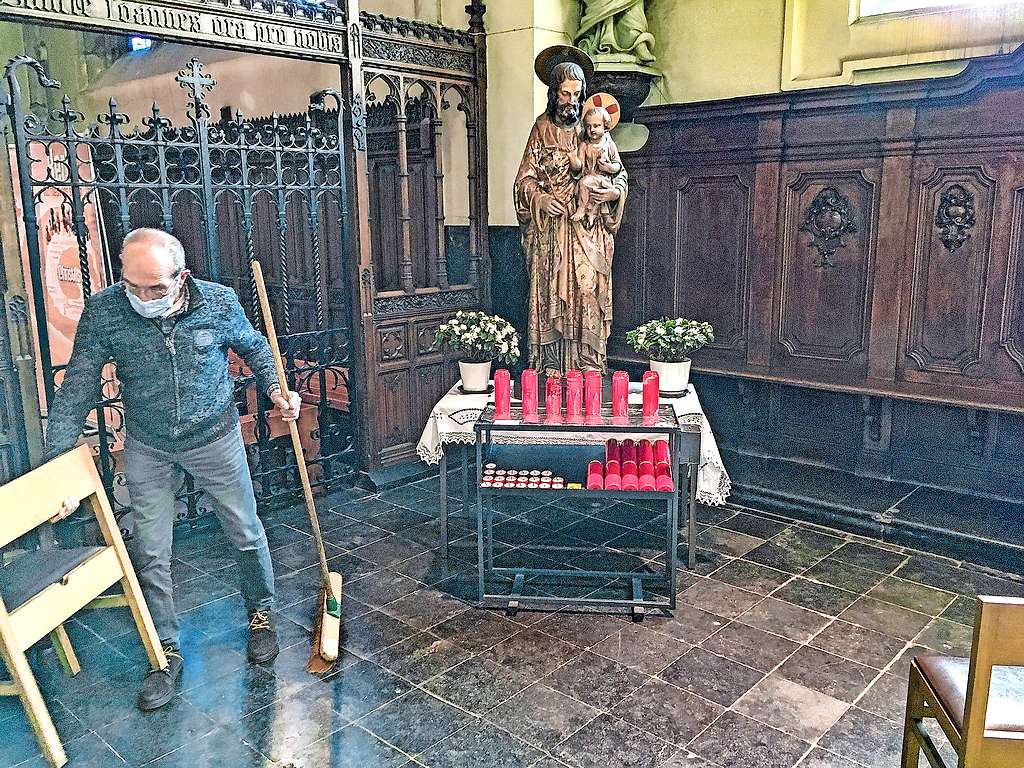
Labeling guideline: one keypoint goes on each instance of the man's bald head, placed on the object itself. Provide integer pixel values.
(151, 260)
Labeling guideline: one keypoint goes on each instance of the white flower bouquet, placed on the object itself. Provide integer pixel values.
(477, 337)
(670, 340)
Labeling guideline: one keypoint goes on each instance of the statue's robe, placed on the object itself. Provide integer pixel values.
(616, 27)
(570, 264)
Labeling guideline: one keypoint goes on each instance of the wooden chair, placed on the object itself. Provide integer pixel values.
(978, 702)
(41, 590)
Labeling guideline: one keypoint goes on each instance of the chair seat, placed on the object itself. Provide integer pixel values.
(31, 573)
(947, 676)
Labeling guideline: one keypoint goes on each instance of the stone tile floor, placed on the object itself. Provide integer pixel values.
(790, 647)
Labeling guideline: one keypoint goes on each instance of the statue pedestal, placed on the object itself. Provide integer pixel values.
(624, 79)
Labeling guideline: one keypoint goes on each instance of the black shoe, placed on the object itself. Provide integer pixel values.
(159, 686)
(262, 638)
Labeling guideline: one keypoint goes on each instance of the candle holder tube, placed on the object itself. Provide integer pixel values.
(612, 482)
(612, 451)
(613, 466)
(663, 478)
(574, 397)
(629, 476)
(529, 387)
(502, 394)
(553, 401)
(646, 480)
(650, 398)
(661, 452)
(620, 395)
(630, 482)
(628, 451)
(645, 451)
(592, 384)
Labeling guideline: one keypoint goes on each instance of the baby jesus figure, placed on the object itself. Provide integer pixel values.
(597, 160)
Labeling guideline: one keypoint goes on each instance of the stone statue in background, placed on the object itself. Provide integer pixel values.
(615, 30)
(570, 261)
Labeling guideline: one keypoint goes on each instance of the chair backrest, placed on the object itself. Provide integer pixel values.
(30, 500)
(998, 642)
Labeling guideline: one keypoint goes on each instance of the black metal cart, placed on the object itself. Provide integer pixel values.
(533, 443)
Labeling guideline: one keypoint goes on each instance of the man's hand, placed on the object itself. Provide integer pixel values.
(288, 404)
(551, 206)
(68, 506)
(605, 195)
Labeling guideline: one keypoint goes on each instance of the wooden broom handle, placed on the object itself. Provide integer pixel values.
(293, 427)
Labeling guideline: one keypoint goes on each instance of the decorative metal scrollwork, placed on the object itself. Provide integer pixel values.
(828, 219)
(955, 216)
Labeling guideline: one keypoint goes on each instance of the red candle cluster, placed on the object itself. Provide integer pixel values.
(632, 466)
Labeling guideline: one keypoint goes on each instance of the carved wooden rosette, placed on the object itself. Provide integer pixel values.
(828, 219)
(955, 216)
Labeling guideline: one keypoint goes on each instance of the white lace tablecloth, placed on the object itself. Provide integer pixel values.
(453, 417)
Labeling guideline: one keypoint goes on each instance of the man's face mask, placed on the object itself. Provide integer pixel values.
(158, 307)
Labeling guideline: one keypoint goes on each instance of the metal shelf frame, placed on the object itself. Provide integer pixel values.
(520, 577)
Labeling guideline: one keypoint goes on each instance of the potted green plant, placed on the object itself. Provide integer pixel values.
(668, 342)
(477, 339)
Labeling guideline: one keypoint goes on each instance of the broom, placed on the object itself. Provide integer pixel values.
(327, 629)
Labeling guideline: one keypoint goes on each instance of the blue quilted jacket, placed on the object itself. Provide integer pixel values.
(177, 390)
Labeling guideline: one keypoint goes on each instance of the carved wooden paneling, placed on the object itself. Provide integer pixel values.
(952, 238)
(907, 281)
(712, 226)
(394, 409)
(392, 344)
(1011, 327)
(426, 344)
(824, 291)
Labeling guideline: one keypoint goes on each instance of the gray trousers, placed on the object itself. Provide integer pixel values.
(219, 469)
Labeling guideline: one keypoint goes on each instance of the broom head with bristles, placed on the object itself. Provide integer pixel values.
(327, 630)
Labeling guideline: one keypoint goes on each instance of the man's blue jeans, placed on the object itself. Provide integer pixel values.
(219, 469)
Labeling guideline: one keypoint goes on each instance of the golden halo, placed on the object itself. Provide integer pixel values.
(551, 57)
(610, 104)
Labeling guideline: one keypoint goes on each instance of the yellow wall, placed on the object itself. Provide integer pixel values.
(715, 49)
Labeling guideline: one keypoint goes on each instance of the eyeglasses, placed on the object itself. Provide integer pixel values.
(153, 291)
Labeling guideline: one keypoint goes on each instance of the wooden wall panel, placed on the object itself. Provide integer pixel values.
(825, 279)
(946, 304)
(860, 252)
(712, 237)
(914, 289)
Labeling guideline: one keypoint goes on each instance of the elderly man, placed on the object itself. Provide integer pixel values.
(169, 335)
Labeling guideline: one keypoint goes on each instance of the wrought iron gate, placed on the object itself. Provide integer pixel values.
(233, 191)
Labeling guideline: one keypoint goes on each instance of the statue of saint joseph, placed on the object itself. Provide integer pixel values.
(570, 261)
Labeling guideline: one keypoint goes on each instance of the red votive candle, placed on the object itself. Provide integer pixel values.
(628, 451)
(663, 481)
(574, 397)
(592, 380)
(612, 452)
(650, 397)
(595, 476)
(629, 476)
(646, 478)
(529, 386)
(613, 466)
(502, 394)
(612, 481)
(620, 394)
(553, 400)
(661, 452)
(645, 451)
